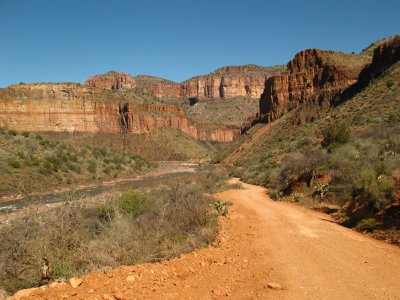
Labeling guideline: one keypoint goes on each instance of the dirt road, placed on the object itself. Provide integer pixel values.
(260, 242)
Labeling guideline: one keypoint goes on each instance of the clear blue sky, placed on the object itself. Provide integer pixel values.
(54, 40)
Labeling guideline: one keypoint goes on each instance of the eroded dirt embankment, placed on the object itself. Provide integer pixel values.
(261, 242)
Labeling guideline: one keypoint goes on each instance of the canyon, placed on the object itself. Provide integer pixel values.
(314, 81)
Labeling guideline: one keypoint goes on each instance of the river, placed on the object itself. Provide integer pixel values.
(165, 171)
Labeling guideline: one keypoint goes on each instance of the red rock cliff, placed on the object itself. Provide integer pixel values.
(229, 82)
(226, 82)
(315, 78)
(72, 107)
(112, 80)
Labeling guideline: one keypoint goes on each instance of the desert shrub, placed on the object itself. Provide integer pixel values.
(321, 190)
(12, 133)
(214, 181)
(393, 118)
(25, 134)
(275, 195)
(374, 187)
(389, 83)
(92, 167)
(130, 203)
(14, 163)
(45, 171)
(32, 161)
(295, 167)
(367, 224)
(337, 133)
(298, 197)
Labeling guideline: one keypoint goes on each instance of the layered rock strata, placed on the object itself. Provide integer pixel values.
(76, 108)
(226, 82)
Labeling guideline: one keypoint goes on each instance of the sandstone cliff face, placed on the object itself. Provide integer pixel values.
(314, 78)
(229, 82)
(112, 80)
(226, 82)
(72, 107)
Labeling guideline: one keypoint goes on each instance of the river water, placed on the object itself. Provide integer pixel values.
(165, 171)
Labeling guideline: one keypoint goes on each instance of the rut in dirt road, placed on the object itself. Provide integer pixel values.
(261, 242)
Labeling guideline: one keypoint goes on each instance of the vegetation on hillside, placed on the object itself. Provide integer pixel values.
(79, 236)
(159, 145)
(31, 163)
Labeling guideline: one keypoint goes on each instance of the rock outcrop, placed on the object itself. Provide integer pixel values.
(314, 78)
(226, 82)
(80, 108)
(157, 87)
(112, 81)
(229, 82)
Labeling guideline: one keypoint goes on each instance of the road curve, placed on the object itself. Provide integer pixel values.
(260, 242)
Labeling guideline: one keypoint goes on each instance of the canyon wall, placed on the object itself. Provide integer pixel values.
(76, 108)
(226, 82)
(229, 82)
(314, 78)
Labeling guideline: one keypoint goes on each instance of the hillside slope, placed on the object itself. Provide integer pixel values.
(30, 163)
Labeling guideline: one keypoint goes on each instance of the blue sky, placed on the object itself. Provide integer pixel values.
(70, 40)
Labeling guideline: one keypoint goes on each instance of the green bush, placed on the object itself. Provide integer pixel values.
(131, 203)
(367, 224)
(337, 133)
(12, 132)
(92, 168)
(389, 83)
(375, 188)
(14, 163)
(62, 269)
(393, 118)
(25, 134)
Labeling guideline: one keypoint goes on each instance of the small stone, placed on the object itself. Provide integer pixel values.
(274, 286)
(75, 282)
(130, 278)
(119, 296)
